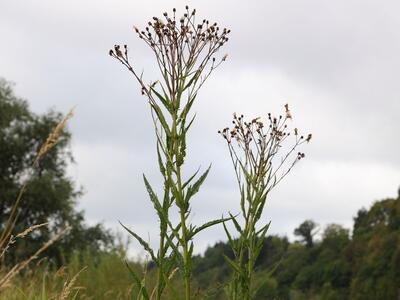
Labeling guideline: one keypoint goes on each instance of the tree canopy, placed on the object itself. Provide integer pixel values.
(51, 194)
(338, 266)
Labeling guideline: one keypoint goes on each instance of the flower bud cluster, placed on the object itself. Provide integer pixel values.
(182, 46)
(260, 148)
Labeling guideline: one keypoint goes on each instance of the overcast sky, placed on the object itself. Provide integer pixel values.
(336, 63)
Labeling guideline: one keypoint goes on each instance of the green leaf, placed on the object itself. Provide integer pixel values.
(182, 150)
(191, 249)
(137, 280)
(160, 161)
(242, 200)
(230, 240)
(193, 189)
(259, 210)
(208, 224)
(193, 79)
(164, 100)
(144, 244)
(161, 118)
(264, 229)
(187, 108)
(190, 123)
(235, 222)
(232, 264)
(190, 179)
(156, 203)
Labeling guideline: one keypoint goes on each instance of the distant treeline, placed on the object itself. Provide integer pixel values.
(364, 265)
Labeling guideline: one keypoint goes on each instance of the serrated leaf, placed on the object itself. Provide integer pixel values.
(208, 224)
(193, 189)
(160, 161)
(190, 179)
(144, 244)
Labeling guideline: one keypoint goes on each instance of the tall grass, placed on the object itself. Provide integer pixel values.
(84, 276)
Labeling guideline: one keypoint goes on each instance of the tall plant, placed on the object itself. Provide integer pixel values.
(261, 157)
(184, 52)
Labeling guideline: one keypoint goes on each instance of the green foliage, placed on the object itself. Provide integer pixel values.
(51, 194)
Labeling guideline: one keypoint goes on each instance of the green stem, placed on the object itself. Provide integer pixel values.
(182, 210)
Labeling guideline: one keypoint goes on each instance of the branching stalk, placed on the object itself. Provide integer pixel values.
(255, 153)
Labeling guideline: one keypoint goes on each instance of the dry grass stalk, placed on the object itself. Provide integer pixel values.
(6, 280)
(53, 137)
(6, 239)
(50, 142)
(69, 286)
(29, 230)
(23, 234)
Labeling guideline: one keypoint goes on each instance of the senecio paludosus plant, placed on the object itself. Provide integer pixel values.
(262, 155)
(185, 51)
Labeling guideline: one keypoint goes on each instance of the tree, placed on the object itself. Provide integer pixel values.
(51, 195)
(306, 231)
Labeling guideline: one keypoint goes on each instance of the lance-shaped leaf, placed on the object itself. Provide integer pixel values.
(260, 239)
(196, 230)
(190, 179)
(142, 242)
(233, 265)
(193, 79)
(160, 161)
(236, 223)
(187, 108)
(193, 189)
(137, 280)
(161, 118)
(231, 242)
(156, 203)
(260, 208)
(182, 150)
(164, 100)
(190, 124)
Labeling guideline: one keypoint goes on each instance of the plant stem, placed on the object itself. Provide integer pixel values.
(182, 209)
